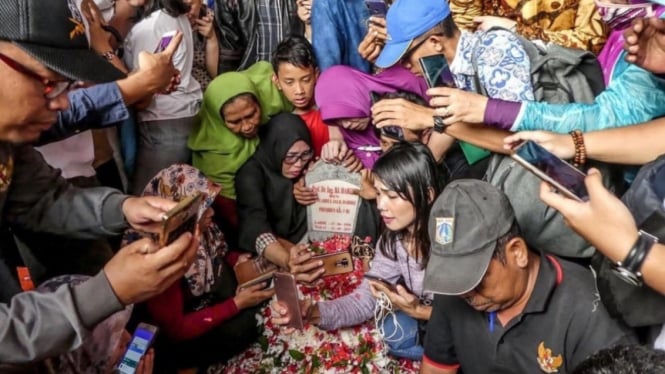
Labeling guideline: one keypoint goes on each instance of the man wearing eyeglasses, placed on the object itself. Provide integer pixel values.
(43, 50)
(495, 60)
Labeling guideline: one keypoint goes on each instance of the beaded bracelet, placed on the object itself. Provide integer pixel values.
(580, 150)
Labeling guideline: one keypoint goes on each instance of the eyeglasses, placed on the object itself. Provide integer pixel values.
(52, 89)
(291, 158)
(407, 55)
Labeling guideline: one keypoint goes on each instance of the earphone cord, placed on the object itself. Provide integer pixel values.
(384, 309)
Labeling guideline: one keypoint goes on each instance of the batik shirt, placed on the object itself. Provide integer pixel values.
(502, 64)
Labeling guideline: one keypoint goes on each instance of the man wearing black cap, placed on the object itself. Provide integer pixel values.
(43, 50)
(498, 306)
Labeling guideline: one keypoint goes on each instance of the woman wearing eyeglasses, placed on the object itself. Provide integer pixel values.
(267, 209)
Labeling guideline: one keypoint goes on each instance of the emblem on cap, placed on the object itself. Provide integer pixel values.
(444, 230)
(548, 363)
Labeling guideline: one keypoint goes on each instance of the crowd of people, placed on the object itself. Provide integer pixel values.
(115, 110)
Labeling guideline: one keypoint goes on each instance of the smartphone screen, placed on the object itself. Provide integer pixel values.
(287, 293)
(560, 174)
(164, 41)
(138, 346)
(377, 8)
(436, 71)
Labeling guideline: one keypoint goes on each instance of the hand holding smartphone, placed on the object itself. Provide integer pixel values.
(287, 293)
(561, 175)
(182, 218)
(377, 8)
(138, 347)
(436, 71)
(390, 286)
(335, 263)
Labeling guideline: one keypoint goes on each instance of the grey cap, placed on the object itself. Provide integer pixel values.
(55, 33)
(464, 224)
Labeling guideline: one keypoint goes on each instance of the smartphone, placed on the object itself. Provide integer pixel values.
(436, 71)
(287, 293)
(564, 177)
(392, 287)
(254, 271)
(182, 218)
(335, 263)
(138, 346)
(377, 8)
(164, 41)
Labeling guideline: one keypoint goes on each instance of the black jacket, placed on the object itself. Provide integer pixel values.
(237, 23)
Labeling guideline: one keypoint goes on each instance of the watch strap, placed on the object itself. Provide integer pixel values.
(439, 126)
(629, 268)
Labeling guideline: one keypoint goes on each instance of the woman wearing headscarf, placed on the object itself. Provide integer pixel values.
(234, 105)
(267, 208)
(343, 96)
(203, 318)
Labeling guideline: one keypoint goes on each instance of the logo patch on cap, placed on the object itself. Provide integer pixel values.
(444, 230)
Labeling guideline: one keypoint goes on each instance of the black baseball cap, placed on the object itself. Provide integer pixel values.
(464, 225)
(55, 33)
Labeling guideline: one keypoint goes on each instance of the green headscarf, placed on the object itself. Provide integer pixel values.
(218, 152)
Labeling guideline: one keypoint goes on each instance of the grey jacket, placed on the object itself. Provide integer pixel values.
(34, 196)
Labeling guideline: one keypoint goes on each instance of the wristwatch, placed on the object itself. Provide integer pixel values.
(629, 269)
(439, 126)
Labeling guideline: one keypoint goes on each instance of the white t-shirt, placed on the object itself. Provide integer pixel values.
(145, 36)
(73, 156)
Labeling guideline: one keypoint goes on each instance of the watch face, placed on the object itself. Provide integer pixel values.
(627, 276)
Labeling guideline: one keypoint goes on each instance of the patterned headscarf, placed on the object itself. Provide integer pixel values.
(176, 182)
(94, 355)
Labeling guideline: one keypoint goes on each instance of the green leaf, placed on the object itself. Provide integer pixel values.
(364, 369)
(316, 362)
(296, 355)
(263, 342)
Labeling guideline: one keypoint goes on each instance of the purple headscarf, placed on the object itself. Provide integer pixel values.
(344, 92)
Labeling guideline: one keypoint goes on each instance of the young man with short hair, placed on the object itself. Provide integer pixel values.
(500, 307)
(295, 74)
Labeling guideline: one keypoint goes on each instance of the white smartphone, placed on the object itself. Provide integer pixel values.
(138, 346)
(164, 41)
(561, 175)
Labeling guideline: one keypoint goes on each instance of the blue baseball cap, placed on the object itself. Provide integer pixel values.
(407, 20)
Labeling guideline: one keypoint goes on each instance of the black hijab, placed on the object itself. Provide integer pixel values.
(281, 214)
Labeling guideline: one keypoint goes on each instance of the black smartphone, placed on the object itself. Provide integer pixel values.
(392, 287)
(561, 175)
(436, 71)
(377, 8)
(393, 132)
(138, 346)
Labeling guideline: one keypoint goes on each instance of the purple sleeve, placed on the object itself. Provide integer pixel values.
(501, 114)
(350, 310)
(358, 306)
